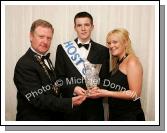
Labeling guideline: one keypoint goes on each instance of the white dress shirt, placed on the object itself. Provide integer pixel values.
(45, 61)
(83, 51)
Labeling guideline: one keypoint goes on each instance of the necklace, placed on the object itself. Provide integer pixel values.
(121, 60)
(54, 87)
(118, 63)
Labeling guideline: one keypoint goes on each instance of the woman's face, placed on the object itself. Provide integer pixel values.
(116, 46)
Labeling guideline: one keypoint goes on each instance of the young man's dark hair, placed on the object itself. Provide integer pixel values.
(83, 15)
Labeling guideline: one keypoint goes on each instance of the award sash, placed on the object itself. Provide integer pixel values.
(72, 52)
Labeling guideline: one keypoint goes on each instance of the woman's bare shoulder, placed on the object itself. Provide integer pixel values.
(133, 61)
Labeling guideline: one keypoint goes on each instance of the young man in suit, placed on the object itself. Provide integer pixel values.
(34, 78)
(69, 66)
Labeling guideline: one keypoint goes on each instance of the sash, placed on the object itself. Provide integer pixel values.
(72, 52)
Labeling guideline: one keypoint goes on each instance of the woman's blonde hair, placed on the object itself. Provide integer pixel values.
(123, 34)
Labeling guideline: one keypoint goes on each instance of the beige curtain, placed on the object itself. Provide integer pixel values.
(137, 19)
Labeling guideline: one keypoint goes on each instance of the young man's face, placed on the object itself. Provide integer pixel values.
(83, 27)
(41, 39)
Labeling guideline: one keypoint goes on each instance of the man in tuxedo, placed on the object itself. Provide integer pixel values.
(69, 66)
(37, 95)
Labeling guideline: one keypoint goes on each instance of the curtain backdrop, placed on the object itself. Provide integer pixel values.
(139, 20)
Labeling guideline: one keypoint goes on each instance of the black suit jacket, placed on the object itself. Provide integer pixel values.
(36, 100)
(64, 68)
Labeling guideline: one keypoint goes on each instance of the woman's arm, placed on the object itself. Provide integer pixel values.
(134, 75)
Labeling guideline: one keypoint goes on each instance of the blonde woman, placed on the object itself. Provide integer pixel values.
(124, 84)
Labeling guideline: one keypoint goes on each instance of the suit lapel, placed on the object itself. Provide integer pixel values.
(39, 66)
(93, 53)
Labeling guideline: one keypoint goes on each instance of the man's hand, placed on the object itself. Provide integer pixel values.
(77, 100)
(79, 90)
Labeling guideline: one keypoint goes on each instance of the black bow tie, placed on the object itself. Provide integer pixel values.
(45, 57)
(83, 45)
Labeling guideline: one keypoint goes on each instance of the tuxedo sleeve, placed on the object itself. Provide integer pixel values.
(61, 74)
(105, 66)
(60, 63)
(29, 85)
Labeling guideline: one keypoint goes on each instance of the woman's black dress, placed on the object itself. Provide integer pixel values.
(123, 110)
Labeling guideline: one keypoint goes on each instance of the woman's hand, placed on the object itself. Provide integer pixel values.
(97, 93)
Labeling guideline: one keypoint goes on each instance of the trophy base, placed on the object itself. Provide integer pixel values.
(88, 92)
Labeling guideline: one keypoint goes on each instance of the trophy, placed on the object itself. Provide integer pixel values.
(91, 75)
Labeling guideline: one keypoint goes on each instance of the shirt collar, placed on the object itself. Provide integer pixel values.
(82, 42)
(37, 52)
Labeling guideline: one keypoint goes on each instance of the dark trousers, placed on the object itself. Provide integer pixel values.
(87, 111)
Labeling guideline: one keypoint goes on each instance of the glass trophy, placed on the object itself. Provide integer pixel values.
(91, 75)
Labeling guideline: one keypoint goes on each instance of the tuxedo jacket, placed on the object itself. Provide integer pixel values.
(36, 100)
(64, 68)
